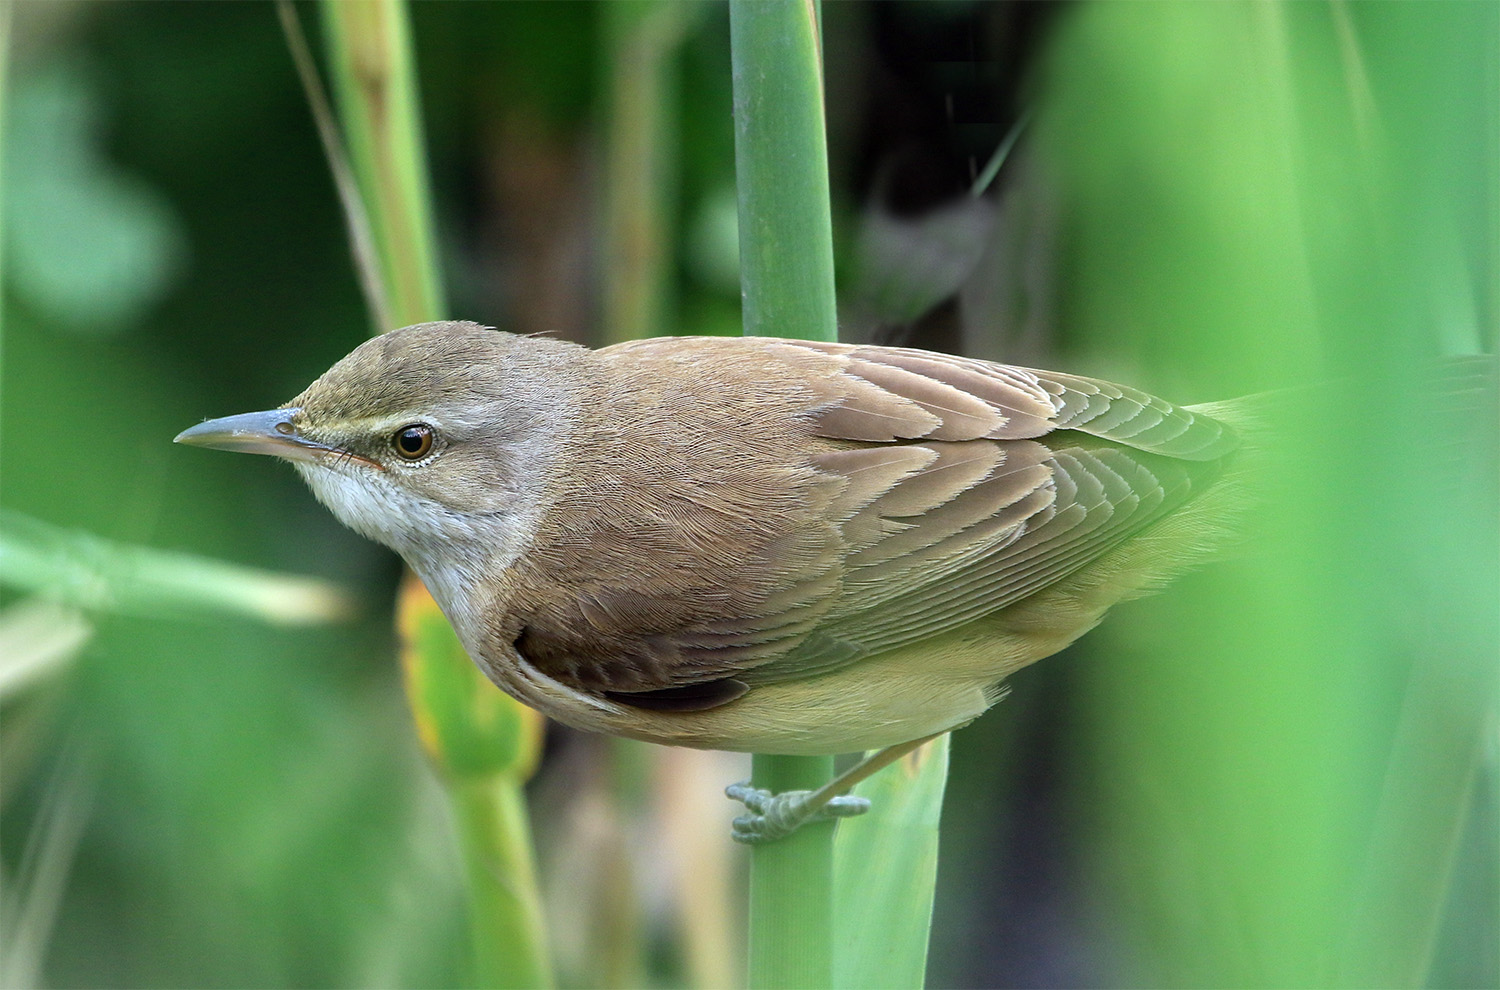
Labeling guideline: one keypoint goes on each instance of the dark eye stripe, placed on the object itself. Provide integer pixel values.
(413, 442)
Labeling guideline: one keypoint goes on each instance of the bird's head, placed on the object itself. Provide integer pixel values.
(435, 439)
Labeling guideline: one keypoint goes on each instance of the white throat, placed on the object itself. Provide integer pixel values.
(450, 550)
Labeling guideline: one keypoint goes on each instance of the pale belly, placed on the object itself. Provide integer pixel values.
(880, 701)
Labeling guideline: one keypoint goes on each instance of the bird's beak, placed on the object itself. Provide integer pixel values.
(271, 432)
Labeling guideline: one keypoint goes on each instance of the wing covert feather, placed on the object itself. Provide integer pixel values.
(1026, 403)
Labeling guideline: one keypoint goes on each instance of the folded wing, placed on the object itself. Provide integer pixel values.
(959, 487)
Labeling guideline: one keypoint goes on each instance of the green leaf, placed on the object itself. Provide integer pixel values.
(87, 243)
(91, 572)
(884, 869)
(469, 727)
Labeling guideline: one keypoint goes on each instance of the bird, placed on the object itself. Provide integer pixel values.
(750, 543)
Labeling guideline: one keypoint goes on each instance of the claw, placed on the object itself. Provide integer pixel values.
(775, 816)
(845, 806)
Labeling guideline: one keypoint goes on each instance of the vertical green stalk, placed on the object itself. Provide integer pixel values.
(786, 273)
(781, 169)
(791, 887)
(496, 842)
(642, 38)
(375, 84)
(482, 742)
(5, 17)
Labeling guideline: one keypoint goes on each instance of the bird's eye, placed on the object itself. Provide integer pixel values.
(413, 442)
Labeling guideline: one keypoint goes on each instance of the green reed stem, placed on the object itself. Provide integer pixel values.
(375, 84)
(786, 271)
(781, 169)
(641, 40)
(463, 721)
(496, 840)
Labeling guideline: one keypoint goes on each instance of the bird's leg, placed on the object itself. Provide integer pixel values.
(775, 816)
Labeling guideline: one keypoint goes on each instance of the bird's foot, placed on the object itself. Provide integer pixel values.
(775, 816)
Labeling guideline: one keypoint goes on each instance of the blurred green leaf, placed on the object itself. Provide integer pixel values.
(38, 637)
(1286, 744)
(87, 242)
(29, 906)
(713, 248)
(98, 574)
(884, 870)
(469, 727)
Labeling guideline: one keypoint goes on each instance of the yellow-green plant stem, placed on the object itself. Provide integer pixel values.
(484, 745)
(641, 38)
(496, 841)
(786, 273)
(374, 79)
(458, 715)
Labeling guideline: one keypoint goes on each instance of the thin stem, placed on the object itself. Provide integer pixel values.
(456, 713)
(375, 81)
(791, 886)
(356, 218)
(91, 572)
(786, 272)
(505, 911)
(640, 161)
(781, 170)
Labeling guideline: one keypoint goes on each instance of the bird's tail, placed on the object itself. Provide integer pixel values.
(1295, 439)
(1451, 404)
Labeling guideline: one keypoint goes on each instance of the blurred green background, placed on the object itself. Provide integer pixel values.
(1280, 773)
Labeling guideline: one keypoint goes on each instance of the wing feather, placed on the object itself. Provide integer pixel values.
(1098, 499)
(958, 414)
(1028, 403)
(932, 491)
